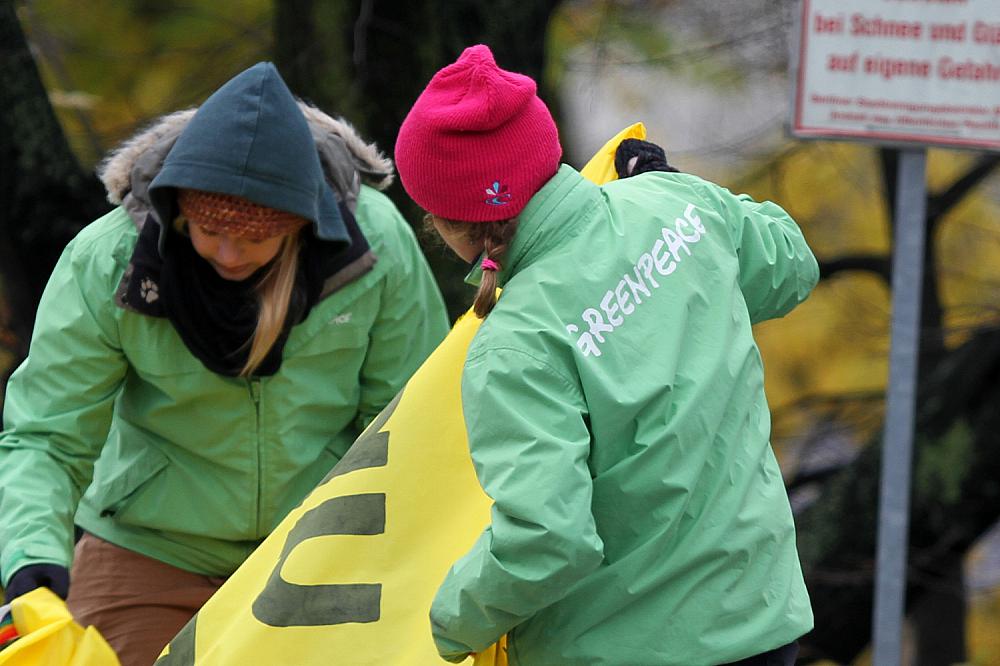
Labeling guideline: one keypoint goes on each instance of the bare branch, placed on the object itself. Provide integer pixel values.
(873, 263)
(941, 203)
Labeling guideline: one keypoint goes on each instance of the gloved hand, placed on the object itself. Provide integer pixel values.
(26, 579)
(634, 156)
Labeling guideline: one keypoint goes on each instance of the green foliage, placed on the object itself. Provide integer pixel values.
(614, 31)
(943, 464)
(113, 64)
(624, 35)
(313, 52)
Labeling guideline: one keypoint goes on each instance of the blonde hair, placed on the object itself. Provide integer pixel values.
(495, 237)
(274, 294)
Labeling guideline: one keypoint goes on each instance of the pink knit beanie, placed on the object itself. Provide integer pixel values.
(478, 142)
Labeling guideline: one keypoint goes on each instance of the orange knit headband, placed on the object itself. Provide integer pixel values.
(229, 214)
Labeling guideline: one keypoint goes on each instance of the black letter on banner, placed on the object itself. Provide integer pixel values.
(284, 604)
(181, 647)
(371, 449)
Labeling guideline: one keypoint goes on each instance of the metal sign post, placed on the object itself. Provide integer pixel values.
(897, 442)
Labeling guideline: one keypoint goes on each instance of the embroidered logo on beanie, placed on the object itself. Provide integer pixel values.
(499, 194)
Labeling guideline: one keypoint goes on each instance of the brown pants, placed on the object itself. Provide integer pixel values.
(137, 603)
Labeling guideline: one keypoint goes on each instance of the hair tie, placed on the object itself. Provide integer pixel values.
(490, 265)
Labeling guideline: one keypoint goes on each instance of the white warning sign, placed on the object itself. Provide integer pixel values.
(899, 71)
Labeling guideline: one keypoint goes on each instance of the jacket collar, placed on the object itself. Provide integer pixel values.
(556, 213)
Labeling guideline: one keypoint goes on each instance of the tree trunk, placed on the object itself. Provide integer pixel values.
(938, 618)
(368, 62)
(45, 197)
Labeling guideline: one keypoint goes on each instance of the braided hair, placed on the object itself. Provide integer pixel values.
(495, 238)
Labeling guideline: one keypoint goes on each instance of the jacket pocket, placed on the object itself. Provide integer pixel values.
(125, 479)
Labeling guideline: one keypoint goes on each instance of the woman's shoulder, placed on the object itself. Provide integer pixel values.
(104, 246)
(106, 236)
(377, 212)
(384, 227)
(523, 322)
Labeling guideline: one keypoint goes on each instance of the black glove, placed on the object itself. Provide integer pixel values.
(635, 156)
(52, 576)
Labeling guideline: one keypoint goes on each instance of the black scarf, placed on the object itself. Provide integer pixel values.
(215, 317)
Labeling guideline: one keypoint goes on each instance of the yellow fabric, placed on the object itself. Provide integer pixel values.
(494, 655)
(601, 167)
(50, 637)
(434, 509)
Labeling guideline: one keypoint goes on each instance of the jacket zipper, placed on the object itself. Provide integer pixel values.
(253, 385)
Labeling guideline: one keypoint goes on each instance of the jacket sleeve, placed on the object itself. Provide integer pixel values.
(777, 268)
(57, 411)
(530, 444)
(410, 324)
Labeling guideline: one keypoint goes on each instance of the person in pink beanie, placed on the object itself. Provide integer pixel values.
(613, 396)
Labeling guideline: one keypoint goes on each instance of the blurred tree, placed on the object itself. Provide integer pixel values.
(954, 501)
(44, 193)
(368, 62)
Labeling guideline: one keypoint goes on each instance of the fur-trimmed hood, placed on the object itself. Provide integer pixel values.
(346, 158)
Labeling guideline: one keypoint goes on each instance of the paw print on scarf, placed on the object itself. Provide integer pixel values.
(148, 290)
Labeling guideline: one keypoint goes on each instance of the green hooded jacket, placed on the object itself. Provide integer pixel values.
(111, 421)
(616, 414)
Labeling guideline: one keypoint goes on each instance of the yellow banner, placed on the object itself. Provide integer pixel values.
(50, 637)
(601, 167)
(348, 577)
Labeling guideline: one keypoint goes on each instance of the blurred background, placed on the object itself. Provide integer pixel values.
(710, 81)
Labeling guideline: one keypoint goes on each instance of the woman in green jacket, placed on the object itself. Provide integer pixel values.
(203, 355)
(613, 397)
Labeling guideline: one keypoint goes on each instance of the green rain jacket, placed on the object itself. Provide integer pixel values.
(616, 414)
(195, 468)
